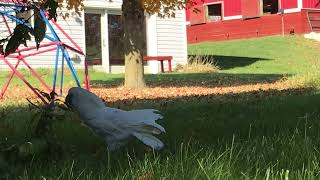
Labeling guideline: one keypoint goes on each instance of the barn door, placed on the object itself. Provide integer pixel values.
(250, 8)
(197, 15)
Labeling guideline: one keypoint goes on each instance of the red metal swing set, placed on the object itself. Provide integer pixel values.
(7, 12)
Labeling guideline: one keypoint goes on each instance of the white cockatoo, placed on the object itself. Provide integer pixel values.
(115, 126)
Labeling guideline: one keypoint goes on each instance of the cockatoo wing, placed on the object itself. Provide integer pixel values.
(138, 123)
(143, 119)
(149, 140)
(104, 126)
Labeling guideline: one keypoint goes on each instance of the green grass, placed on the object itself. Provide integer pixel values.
(214, 138)
(269, 55)
(257, 135)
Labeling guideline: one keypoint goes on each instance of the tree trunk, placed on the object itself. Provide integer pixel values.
(133, 17)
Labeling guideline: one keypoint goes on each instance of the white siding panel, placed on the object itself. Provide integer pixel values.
(73, 26)
(171, 34)
(4, 32)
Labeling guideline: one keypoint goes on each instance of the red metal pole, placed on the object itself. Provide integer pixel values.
(73, 49)
(34, 47)
(5, 87)
(23, 60)
(25, 81)
(78, 50)
(87, 80)
(38, 52)
(36, 75)
(7, 25)
(9, 56)
(64, 33)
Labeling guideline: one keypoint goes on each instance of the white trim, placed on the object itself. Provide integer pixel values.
(102, 5)
(292, 10)
(188, 23)
(152, 42)
(105, 42)
(212, 3)
(314, 9)
(115, 12)
(84, 49)
(300, 4)
(232, 17)
(185, 41)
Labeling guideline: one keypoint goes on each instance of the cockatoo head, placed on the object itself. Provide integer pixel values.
(80, 99)
(70, 98)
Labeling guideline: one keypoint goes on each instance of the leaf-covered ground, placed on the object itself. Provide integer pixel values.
(113, 94)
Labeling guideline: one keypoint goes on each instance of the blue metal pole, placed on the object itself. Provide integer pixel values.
(13, 5)
(62, 74)
(24, 23)
(54, 39)
(64, 51)
(68, 60)
(55, 70)
(8, 11)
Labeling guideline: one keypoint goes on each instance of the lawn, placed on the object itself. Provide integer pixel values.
(212, 133)
(269, 55)
(259, 59)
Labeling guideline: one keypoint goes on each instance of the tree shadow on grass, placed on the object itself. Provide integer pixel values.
(227, 62)
(212, 121)
(196, 80)
(206, 118)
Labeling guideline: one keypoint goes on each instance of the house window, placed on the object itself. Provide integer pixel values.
(270, 6)
(116, 41)
(93, 38)
(214, 12)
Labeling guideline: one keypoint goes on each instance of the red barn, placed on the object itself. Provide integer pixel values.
(213, 20)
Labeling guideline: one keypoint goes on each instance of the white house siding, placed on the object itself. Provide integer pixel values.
(171, 38)
(73, 26)
(4, 33)
(103, 4)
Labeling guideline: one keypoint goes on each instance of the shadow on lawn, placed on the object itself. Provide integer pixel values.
(202, 118)
(227, 62)
(201, 121)
(196, 80)
(208, 118)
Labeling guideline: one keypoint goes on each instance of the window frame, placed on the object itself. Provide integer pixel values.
(207, 10)
(262, 13)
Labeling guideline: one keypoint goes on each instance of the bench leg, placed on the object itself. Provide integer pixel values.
(170, 66)
(162, 68)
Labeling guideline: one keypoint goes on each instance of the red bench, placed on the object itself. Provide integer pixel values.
(161, 59)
